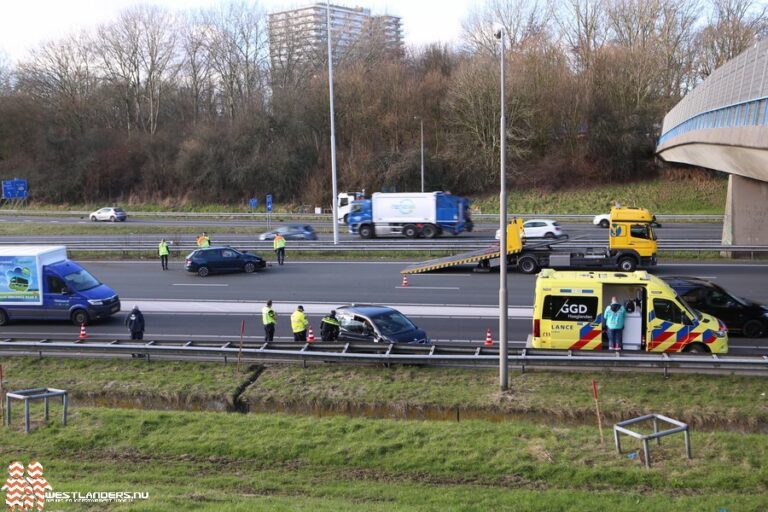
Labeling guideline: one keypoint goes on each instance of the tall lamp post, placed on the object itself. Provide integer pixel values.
(334, 196)
(503, 370)
(421, 123)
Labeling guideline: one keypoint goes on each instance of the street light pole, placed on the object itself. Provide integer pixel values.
(334, 192)
(503, 370)
(421, 121)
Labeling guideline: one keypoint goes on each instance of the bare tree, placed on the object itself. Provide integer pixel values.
(5, 74)
(583, 26)
(525, 24)
(196, 64)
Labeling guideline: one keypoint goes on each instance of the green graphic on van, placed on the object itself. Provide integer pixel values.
(18, 279)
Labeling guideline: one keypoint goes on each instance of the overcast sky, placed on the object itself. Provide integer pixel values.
(26, 23)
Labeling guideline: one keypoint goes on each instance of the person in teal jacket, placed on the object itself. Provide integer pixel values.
(614, 322)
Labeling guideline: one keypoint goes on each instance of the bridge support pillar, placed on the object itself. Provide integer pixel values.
(746, 212)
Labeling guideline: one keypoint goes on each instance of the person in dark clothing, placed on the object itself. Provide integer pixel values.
(135, 323)
(329, 327)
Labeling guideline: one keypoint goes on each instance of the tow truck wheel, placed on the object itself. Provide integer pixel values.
(528, 266)
(366, 231)
(627, 264)
(79, 317)
(751, 329)
(429, 231)
(410, 231)
(604, 223)
(696, 348)
(3, 317)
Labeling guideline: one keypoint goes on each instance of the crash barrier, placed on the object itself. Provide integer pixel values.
(679, 426)
(28, 395)
(439, 354)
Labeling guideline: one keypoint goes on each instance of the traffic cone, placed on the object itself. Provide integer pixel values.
(83, 334)
(405, 281)
(488, 338)
(310, 335)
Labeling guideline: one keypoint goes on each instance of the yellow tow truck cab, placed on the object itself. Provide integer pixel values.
(569, 308)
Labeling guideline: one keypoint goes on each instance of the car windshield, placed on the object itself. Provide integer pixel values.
(119, 210)
(695, 313)
(81, 280)
(393, 322)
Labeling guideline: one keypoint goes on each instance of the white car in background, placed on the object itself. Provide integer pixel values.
(110, 214)
(541, 228)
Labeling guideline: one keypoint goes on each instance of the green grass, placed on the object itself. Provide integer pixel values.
(215, 461)
(660, 196)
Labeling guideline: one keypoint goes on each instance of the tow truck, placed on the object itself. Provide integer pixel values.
(631, 244)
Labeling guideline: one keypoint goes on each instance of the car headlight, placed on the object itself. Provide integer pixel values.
(95, 302)
(721, 334)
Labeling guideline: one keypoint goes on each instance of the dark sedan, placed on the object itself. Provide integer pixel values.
(377, 323)
(740, 315)
(222, 259)
(291, 232)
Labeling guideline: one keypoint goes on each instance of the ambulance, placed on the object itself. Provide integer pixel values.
(569, 306)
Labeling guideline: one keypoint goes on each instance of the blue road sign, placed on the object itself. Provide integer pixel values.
(253, 203)
(15, 189)
(269, 203)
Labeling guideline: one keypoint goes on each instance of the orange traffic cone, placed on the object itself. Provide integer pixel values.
(488, 338)
(83, 334)
(310, 335)
(405, 281)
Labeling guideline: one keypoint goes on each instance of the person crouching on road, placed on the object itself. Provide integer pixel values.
(329, 327)
(269, 318)
(135, 323)
(203, 241)
(279, 245)
(163, 251)
(299, 324)
(614, 322)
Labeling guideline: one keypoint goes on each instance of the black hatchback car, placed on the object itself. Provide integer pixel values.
(222, 259)
(740, 315)
(377, 323)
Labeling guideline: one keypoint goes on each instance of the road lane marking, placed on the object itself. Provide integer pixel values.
(429, 287)
(198, 284)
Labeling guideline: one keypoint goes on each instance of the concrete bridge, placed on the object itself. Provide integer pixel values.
(723, 125)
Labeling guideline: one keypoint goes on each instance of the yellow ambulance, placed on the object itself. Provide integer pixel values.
(569, 307)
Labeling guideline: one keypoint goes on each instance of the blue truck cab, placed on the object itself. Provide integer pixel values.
(40, 283)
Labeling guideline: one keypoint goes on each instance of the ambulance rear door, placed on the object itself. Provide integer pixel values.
(571, 320)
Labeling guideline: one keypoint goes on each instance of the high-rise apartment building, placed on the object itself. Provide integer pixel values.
(299, 35)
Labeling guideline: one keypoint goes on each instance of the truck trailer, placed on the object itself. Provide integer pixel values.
(40, 283)
(411, 215)
(631, 244)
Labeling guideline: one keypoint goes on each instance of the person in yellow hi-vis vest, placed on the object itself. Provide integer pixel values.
(203, 241)
(299, 324)
(162, 250)
(269, 318)
(279, 245)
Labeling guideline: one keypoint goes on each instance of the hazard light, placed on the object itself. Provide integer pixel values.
(536, 328)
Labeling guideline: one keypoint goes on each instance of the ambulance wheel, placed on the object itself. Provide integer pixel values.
(751, 329)
(202, 271)
(429, 231)
(3, 317)
(604, 223)
(696, 348)
(627, 264)
(366, 231)
(249, 268)
(79, 317)
(528, 265)
(410, 231)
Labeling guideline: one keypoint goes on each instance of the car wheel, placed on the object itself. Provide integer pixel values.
(528, 265)
(627, 264)
(549, 235)
(366, 231)
(112, 218)
(202, 271)
(249, 267)
(93, 218)
(410, 231)
(696, 348)
(3, 317)
(604, 223)
(429, 231)
(79, 317)
(753, 329)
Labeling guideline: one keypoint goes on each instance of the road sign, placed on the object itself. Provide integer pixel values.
(253, 203)
(269, 203)
(15, 189)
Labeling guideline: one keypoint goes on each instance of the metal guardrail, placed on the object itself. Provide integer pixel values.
(488, 217)
(456, 354)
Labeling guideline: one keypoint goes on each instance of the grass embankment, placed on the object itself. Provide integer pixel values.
(211, 461)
